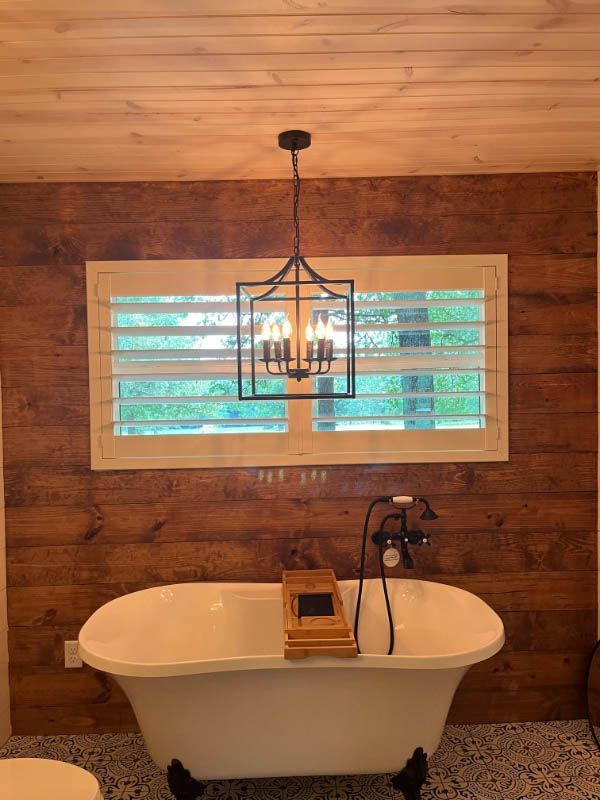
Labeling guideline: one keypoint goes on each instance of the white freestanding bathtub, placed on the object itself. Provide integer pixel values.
(202, 665)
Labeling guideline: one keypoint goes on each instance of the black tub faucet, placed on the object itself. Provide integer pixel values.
(401, 504)
(382, 536)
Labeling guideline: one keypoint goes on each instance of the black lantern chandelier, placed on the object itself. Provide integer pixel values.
(297, 325)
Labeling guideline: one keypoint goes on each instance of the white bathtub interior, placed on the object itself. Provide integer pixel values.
(171, 630)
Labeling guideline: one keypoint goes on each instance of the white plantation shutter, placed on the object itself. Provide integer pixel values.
(427, 373)
(428, 360)
(166, 370)
(431, 367)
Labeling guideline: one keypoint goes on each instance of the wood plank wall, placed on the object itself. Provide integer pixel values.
(521, 534)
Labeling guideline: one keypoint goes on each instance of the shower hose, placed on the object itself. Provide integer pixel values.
(361, 577)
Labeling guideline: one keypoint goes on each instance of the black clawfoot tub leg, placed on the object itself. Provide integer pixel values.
(181, 783)
(410, 779)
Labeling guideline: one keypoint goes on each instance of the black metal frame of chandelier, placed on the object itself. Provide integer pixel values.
(298, 373)
(294, 141)
(275, 282)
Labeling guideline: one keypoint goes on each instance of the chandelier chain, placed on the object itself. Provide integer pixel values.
(296, 204)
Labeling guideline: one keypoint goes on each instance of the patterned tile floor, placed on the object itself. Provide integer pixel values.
(518, 761)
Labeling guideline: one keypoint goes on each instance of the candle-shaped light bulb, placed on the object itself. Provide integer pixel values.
(287, 329)
(320, 330)
(329, 330)
(266, 331)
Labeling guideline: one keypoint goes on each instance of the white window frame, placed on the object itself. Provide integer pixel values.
(300, 446)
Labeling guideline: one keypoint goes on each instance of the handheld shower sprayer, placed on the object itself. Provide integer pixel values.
(405, 500)
(404, 503)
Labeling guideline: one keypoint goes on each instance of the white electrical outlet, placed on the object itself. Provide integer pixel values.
(72, 659)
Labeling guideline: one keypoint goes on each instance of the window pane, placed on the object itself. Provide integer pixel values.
(199, 333)
(433, 343)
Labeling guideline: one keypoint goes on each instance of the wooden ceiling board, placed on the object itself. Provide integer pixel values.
(67, 9)
(199, 89)
(448, 24)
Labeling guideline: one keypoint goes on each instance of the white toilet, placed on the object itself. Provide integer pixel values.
(43, 779)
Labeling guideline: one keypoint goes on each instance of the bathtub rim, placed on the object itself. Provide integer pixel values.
(164, 669)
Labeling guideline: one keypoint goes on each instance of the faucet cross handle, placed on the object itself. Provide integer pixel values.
(417, 537)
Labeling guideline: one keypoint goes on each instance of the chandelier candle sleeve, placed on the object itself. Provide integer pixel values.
(266, 337)
(276, 334)
(310, 335)
(320, 331)
(287, 342)
(329, 340)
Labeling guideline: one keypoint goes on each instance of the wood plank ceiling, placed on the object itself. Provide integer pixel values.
(199, 89)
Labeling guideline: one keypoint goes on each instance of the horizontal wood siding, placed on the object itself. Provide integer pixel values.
(521, 534)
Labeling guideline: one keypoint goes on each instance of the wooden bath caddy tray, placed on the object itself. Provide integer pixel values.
(313, 616)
